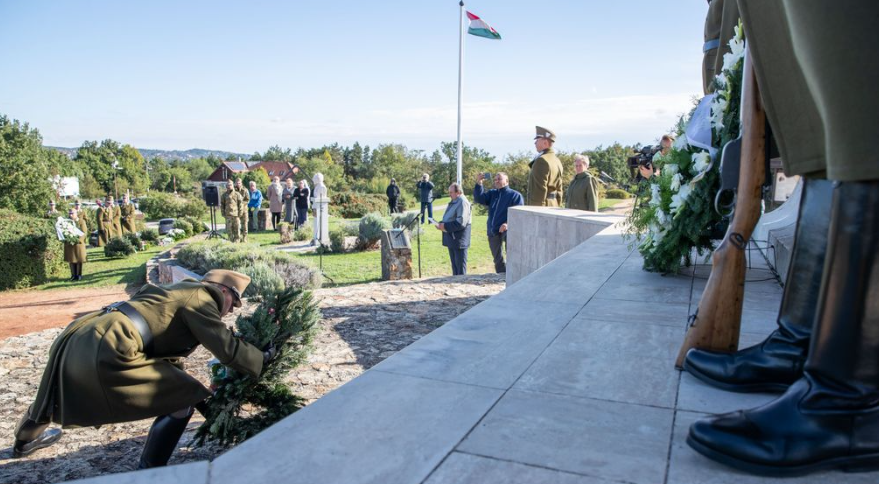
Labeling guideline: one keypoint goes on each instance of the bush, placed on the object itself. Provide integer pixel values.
(405, 220)
(263, 280)
(305, 232)
(31, 250)
(119, 247)
(617, 193)
(166, 205)
(197, 225)
(133, 238)
(217, 254)
(371, 227)
(356, 205)
(183, 225)
(150, 236)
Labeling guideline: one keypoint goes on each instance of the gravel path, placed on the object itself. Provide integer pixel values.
(361, 326)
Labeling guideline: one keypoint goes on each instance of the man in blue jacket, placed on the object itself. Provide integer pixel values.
(456, 229)
(425, 192)
(498, 201)
(253, 206)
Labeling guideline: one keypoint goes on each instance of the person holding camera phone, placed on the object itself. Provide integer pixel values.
(498, 200)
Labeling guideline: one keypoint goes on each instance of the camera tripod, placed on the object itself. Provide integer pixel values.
(213, 233)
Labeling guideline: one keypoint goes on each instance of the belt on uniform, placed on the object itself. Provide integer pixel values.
(136, 320)
(552, 195)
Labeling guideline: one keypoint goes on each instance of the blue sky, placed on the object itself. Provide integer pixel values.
(241, 76)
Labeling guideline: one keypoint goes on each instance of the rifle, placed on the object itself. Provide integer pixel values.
(717, 321)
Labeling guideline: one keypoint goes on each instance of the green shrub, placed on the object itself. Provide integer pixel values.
(150, 236)
(119, 247)
(133, 238)
(184, 225)
(31, 250)
(218, 254)
(356, 205)
(305, 232)
(263, 280)
(371, 227)
(197, 225)
(405, 220)
(166, 205)
(617, 193)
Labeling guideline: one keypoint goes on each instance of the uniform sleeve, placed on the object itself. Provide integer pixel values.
(223, 204)
(203, 320)
(592, 200)
(540, 174)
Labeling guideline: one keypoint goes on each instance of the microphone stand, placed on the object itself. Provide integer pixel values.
(417, 236)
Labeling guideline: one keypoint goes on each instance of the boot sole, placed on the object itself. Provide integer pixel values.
(863, 463)
(16, 454)
(734, 387)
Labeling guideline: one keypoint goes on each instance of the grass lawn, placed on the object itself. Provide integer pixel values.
(101, 271)
(358, 267)
(608, 203)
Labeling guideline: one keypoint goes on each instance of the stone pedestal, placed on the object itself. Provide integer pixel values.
(396, 255)
(262, 219)
(321, 220)
(286, 231)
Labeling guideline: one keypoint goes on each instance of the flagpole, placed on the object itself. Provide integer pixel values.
(460, 88)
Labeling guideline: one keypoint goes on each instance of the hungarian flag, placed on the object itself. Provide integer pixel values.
(479, 28)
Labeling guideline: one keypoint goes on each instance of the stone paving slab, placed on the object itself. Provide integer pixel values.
(378, 428)
(622, 362)
(490, 345)
(666, 314)
(460, 468)
(609, 440)
(191, 473)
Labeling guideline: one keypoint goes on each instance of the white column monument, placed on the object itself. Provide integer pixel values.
(320, 202)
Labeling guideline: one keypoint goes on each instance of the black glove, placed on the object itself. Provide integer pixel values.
(269, 353)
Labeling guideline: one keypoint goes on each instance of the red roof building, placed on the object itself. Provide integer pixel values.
(233, 169)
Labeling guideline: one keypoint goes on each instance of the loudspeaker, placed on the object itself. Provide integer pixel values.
(211, 195)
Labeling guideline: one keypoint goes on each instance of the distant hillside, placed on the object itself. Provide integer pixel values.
(169, 154)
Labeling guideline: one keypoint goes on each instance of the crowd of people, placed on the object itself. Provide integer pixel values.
(240, 206)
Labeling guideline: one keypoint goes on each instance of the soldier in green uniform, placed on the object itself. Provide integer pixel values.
(818, 88)
(116, 215)
(230, 204)
(102, 217)
(52, 213)
(720, 23)
(242, 208)
(582, 194)
(128, 214)
(124, 363)
(74, 254)
(545, 178)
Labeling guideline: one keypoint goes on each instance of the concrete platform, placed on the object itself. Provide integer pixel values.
(567, 376)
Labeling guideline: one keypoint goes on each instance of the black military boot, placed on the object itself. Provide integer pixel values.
(162, 440)
(79, 271)
(31, 436)
(830, 417)
(774, 364)
(72, 271)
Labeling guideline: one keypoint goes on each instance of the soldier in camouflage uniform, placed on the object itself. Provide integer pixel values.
(230, 205)
(242, 208)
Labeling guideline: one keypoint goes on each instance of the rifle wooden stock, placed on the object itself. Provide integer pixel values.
(719, 316)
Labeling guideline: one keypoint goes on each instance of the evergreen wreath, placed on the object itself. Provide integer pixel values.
(676, 212)
(242, 406)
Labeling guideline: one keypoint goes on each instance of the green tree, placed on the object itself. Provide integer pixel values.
(258, 176)
(24, 168)
(200, 169)
(109, 163)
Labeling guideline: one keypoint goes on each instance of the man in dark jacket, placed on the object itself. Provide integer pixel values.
(498, 201)
(425, 191)
(456, 229)
(393, 193)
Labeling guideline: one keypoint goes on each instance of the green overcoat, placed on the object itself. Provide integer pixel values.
(103, 230)
(583, 193)
(98, 372)
(75, 253)
(128, 212)
(117, 220)
(545, 180)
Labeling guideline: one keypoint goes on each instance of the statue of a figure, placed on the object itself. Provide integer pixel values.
(320, 203)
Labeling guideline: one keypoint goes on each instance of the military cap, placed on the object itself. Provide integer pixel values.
(235, 281)
(544, 133)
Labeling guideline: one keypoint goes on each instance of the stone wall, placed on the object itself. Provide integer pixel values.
(538, 235)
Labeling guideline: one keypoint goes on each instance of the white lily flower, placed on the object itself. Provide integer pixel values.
(676, 180)
(661, 217)
(655, 198)
(718, 109)
(671, 168)
(681, 143)
(679, 199)
(701, 160)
